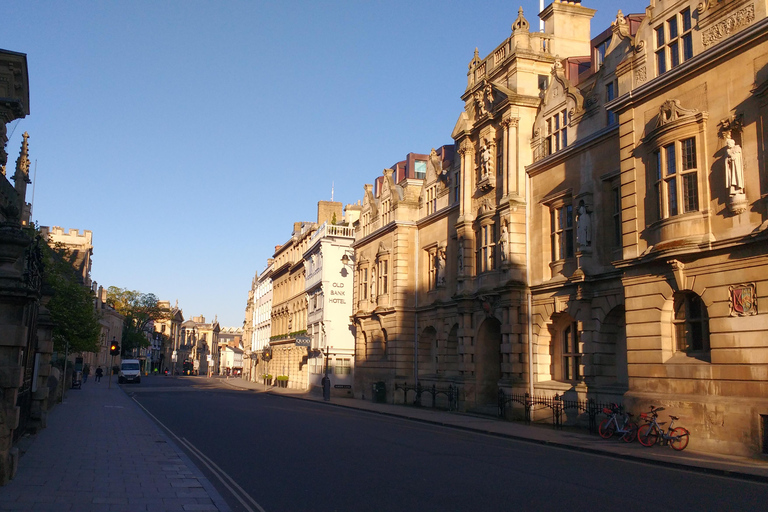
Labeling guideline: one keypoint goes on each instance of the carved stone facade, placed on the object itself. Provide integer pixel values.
(584, 240)
(23, 393)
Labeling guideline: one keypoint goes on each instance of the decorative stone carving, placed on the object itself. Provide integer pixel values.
(671, 111)
(520, 24)
(486, 159)
(461, 257)
(678, 271)
(743, 299)
(728, 25)
(641, 75)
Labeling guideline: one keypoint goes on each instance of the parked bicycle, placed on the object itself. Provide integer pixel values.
(617, 423)
(653, 431)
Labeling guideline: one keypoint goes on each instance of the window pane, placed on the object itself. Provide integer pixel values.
(569, 244)
(657, 158)
(569, 216)
(687, 46)
(672, 197)
(660, 37)
(691, 192)
(565, 137)
(661, 62)
(686, 16)
(689, 154)
(674, 54)
(561, 243)
(669, 151)
(672, 28)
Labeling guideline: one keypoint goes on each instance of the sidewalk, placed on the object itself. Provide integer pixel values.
(101, 452)
(733, 466)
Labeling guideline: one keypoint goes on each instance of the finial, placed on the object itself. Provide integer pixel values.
(22, 163)
(520, 23)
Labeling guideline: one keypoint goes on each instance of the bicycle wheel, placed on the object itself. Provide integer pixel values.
(679, 438)
(648, 434)
(631, 434)
(606, 428)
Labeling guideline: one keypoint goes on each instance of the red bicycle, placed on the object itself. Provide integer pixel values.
(650, 433)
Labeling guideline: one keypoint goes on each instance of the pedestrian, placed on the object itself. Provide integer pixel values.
(86, 373)
(99, 373)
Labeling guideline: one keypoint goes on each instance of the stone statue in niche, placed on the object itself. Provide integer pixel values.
(734, 168)
(485, 159)
(373, 285)
(583, 226)
(503, 243)
(440, 267)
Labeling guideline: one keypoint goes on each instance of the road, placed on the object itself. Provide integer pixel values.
(285, 454)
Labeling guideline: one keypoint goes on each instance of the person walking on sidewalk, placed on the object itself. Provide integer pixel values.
(99, 373)
(86, 373)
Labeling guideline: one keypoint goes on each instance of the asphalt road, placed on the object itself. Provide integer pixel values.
(271, 453)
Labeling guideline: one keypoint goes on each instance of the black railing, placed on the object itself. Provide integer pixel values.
(556, 403)
(451, 393)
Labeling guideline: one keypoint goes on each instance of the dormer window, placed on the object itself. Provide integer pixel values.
(420, 169)
(600, 52)
(674, 41)
(557, 133)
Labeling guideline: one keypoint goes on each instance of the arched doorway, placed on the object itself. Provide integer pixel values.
(488, 361)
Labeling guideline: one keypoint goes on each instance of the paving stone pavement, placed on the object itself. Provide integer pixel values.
(101, 452)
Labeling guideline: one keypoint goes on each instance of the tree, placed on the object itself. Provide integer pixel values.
(72, 310)
(139, 310)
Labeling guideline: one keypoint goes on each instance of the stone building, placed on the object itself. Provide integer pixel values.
(400, 266)
(601, 232)
(329, 287)
(262, 323)
(199, 346)
(692, 111)
(26, 344)
(287, 356)
(168, 331)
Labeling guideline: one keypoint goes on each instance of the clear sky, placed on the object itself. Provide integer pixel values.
(188, 136)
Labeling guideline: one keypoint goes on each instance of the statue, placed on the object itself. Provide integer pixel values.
(734, 168)
(461, 256)
(373, 284)
(485, 159)
(440, 267)
(584, 226)
(503, 240)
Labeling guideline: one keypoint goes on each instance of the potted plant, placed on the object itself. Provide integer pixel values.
(282, 381)
(267, 379)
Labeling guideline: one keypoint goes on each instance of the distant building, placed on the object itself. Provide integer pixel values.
(329, 283)
(199, 349)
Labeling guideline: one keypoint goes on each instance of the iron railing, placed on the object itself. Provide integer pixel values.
(451, 393)
(557, 404)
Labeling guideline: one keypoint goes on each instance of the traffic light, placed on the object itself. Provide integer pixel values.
(114, 348)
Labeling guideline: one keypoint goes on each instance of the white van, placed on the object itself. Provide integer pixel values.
(130, 371)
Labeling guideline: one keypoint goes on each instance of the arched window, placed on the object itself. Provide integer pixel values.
(691, 323)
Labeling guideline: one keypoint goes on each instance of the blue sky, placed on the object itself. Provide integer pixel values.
(190, 135)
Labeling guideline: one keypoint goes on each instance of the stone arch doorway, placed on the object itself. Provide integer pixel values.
(488, 361)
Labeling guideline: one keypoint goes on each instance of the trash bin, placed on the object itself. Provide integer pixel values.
(380, 392)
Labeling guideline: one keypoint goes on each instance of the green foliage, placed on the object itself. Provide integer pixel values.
(72, 303)
(333, 219)
(282, 377)
(139, 311)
